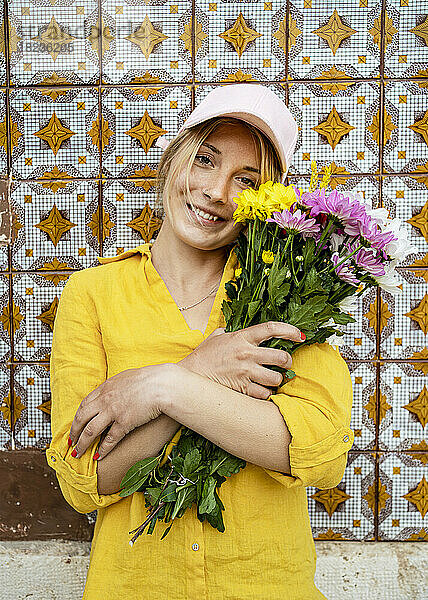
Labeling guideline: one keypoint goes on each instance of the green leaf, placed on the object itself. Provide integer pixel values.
(169, 494)
(181, 498)
(231, 291)
(152, 495)
(312, 283)
(342, 318)
(167, 530)
(139, 471)
(135, 487)
(304, 315)
(227, 310)
(232, 465)
(253, 308)
(191, 462)
(208, 502)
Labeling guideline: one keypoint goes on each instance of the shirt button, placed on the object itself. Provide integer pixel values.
(53, 459)
(346, 438)
(195, 547)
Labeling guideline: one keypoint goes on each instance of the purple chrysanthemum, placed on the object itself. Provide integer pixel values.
(369, 260)
(343, 271)
(295, 222)
(348, 211)
(371, 232)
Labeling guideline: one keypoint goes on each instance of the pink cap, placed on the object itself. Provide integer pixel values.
(255, 104)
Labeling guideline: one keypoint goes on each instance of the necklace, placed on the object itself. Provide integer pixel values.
(201, 300)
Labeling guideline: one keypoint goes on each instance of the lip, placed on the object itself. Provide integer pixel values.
(208, 211)
(207, 222)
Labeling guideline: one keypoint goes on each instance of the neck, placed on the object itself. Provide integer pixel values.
(185, 267)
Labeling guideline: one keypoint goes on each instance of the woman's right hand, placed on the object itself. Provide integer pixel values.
(236, 360)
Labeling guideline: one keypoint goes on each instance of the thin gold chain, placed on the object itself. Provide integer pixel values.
(201, 300)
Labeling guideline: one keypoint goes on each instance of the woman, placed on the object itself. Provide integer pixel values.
(139, 348)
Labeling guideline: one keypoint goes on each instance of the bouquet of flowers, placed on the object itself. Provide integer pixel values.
(304, 259)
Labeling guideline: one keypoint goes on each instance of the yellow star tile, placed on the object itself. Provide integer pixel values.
(419, 496)
(281, 33)
(54, 175)
(370, 407)
(330, 535)
(420, 314)
(381, 495)
(199, 36)
(419, 451)
(421, 30)
(146, 132)
(331, 498)
(385, 314)
(146, 37)
(146, 223)
(333, 128)
(388, 126)
(420, 221)
(11, 408)
(55, 225)
(54, 37)
(421, 127)
(55, 133)
(334, 32)
(389, 30)
(240, 35)
(423, 178)
(101, 139)
(106, 37)
(15, 134)
(45, 407)
(419, 407)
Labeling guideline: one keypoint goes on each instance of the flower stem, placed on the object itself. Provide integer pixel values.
(322, 238)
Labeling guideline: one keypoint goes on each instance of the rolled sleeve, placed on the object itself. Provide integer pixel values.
(77, 366)
(316, 407)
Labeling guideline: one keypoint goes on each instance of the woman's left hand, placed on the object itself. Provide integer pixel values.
(125, 401)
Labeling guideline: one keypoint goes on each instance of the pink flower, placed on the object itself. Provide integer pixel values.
(369, 260)
(343, 271)
(348, 211)
(295, 222)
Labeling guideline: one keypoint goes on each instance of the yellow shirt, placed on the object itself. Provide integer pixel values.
(120, 316)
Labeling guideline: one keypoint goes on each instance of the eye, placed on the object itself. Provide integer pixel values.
(250, 181)
(201, 156)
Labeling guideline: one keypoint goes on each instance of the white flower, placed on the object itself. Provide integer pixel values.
(388, 282)
(335, 340)
(380, 215)
(348, 304)
(336, 241)
(401, 247)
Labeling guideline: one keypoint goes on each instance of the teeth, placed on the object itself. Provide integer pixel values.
(204, 215)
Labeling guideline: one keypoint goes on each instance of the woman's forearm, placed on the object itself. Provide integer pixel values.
(247, 427)
(144, 441)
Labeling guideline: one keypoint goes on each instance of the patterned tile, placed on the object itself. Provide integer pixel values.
(404, 318)
(53, 43)
(406, 198)
(32, 406)
(132, 120)
(35, 302)
(363, 418)
(346, 512)
(327, 37)
(340, 127)
(238, 41)
(144, 43)
(403, 406)
(406, 39)
(6, 414)
(3, 133)
(57, 224)
(2, 48)
(128, 214)
(405, 128)
(403, 492)
(5, 332)
(55, 132)
(359, 341)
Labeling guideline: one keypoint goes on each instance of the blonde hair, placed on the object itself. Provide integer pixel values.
(184, 147)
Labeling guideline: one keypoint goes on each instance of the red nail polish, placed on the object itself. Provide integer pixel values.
(302, 336)
(74, 453)
(69, 441)
(96, 456)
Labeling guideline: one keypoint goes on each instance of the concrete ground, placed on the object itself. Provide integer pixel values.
(55, 570)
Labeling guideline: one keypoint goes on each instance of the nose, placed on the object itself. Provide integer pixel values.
(216, 189)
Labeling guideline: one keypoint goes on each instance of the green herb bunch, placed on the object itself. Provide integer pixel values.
(194, 470)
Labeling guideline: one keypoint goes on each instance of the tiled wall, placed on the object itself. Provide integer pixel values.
(87, 88)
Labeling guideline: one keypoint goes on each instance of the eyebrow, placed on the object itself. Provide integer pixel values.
(217, 151)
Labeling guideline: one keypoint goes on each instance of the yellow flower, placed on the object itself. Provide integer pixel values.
(238, 272)
(267, 257)
(283, 196)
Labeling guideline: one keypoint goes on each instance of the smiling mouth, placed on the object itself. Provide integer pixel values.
(206, 217)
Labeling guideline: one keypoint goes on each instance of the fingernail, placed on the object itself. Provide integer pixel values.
(302, 336)
(96, 456)
(74, 453)
(70, 443)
